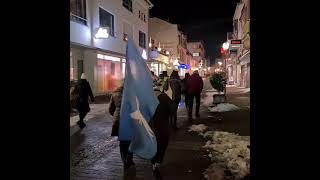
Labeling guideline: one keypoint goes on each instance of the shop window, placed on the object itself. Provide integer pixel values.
(78, 11)
(80, 68)
(106, 20)
(113, 68)
(71, 67)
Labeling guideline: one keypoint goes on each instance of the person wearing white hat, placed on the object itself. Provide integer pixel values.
(83, 90)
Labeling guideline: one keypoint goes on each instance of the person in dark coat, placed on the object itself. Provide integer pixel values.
(176, 87)
(185, 90)
(194, 86)
(160, 125)
(83, 90)
(114, 110)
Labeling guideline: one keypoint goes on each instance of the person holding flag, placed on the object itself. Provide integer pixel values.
(138, 106)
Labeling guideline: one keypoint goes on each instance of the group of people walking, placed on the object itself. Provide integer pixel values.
(168, 90)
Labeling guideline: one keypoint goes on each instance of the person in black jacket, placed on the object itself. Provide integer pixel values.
(176, 86)
(160, 125)
(83, 90)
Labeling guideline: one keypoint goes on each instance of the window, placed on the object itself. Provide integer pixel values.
(127, 4)
(144, 17)
(106, 20)
(139, 14)
(78, 11)
(113, 68)
(125, 37)
(142, 39)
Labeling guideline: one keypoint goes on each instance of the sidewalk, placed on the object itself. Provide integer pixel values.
(95, 154)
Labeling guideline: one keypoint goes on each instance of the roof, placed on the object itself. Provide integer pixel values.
(149, 3)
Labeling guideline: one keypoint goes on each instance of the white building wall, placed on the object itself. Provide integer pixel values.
(84, 34)
(85, 46)
(166, 33)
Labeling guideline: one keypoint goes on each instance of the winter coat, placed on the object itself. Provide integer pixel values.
(160, 123)
(176, 87)
(83, 90)
(194, 84)
(184, 84)
(114, 110)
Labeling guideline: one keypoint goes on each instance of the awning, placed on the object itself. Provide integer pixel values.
(237, 13)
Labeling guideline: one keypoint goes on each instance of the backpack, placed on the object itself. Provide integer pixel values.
(74, 94)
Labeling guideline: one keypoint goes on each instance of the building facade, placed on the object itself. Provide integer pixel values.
(238, 63)
(197, 50)
(168, 41)
(98, 35)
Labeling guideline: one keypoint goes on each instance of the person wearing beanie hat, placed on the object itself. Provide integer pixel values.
(83, 90)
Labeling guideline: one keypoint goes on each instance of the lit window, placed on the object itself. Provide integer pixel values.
(106, 20)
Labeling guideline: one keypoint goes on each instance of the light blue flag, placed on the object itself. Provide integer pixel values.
(138, 105)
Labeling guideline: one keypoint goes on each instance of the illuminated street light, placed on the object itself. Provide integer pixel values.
(225, 46)
(220, 63)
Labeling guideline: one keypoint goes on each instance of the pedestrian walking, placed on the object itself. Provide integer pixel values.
(174, 83)
(83, 91)
(160, 125)
(194, 86)
(185, 90)
(114, 110)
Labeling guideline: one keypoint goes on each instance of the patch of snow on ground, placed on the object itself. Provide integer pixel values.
(214, 172)
(231, 151)
(212, 90)
(223, 107)
(208, 100)
(198, 128)
(245, 90)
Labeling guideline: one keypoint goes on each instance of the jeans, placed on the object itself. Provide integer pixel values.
(192, 96)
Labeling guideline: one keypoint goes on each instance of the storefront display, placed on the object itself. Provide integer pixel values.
(108, 73)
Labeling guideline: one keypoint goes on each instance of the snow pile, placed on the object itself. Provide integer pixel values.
(214, 172)
(198, 128)
(223, 107)
(231, 152)
(245, 90)
(208, 100)
(212, 90)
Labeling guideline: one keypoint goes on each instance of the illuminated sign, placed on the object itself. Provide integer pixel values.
(236, 42)
(184, 66)
(102, 33)
(195, 54)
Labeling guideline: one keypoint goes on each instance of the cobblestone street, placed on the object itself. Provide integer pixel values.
(95, 154)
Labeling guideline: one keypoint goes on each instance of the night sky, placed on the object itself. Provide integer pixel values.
(207, 20)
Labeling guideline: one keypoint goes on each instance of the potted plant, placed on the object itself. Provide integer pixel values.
(218, 82)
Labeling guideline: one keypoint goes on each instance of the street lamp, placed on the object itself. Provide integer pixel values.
(225, 47)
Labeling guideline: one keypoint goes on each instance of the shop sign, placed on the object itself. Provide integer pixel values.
(183, 66)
